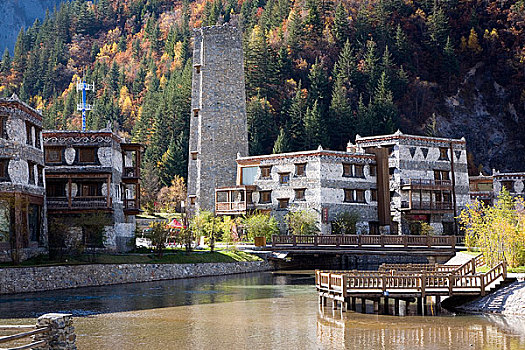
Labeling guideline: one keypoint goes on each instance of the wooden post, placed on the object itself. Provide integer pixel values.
(108, 191)
(69, 193)
(363, 305)
(385, 310)
(334, 304)
(359, 241)
(405, 241)
(424, 309)
(294, 240)
(482, 278)
(396, 307)
(407, 304)
(438, 304)
(451, 281)
(376, 306)
(382, 240)
(419, 305)
(353, 306)
(344, 283)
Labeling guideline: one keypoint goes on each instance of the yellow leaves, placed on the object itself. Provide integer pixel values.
(473, 43)
(37, 101)
(107, 51)
(492, 35)
(125, 102)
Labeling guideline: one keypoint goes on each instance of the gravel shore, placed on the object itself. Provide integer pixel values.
(509, 300)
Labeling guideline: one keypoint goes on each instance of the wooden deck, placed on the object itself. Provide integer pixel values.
(407, 281)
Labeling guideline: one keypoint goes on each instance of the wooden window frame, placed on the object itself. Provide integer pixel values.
(361, 172)
(348, 195)
(4, 166)
(347, 170)
(284, 178)
(3, 126)
(266, 171)
(262, 199)
(300, 169)
(194, 155)
(60, 151)
(373, 170)
(82, 153)
(443, 153)
(283, 203)
(300, 194)
(373, 195)
(94, 189)
(360, 196)
(31, 169)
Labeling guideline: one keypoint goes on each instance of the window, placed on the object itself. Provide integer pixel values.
(55, 189)
(86, 155)
(3, 130)
(448, 228)
(300, 169)
(299, 194)
(373, 227)
(40, 170)
(194, 155)
(283, 203)
(53, 155)
(509, 185)
(4, 164)
(284, 178)
(441, 175)
(443, 153)
(195, 112)
(347, 169)
(373, 170)
(31, 169)
(349, 196)
(192, 200)
(360, 196)
(90, 189)
(248, 175)
(359, 170)
(34, 216)
(265, 197)
(266, 172)
(197, 68)
(373, 195)
(38, 133)
(29, 134)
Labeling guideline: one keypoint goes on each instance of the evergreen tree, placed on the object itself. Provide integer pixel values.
(341, 25)
(437, 27)
(260, 125)
(297, 112)
(295, 33)
(282, 144)
(319, 85)
(315, 134)
(6, 61)
(340, 126)
(256, 64)
(313, 23)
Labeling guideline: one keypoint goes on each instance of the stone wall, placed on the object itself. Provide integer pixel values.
(34, 279)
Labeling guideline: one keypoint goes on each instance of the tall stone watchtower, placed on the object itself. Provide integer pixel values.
(218, 130)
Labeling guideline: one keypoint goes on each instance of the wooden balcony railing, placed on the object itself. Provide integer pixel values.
(427, 205)
(227, 207)
(98, 202)
(425, 183)
(130, 173)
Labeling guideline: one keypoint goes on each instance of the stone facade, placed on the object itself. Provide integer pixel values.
(428, 179)
(393, 182)
(35, 279)
(23, 225)
(93, 172)
(513, 182)
(311, 180)
(218, 129)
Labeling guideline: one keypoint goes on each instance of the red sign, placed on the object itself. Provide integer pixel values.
(325, 215)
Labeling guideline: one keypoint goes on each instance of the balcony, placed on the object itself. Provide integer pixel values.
(427, 207)
(77, 203)
(425, 184)
(234, 200)
(130, 173)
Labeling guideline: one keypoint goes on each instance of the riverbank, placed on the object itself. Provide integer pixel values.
(509, 300)
(42, 278)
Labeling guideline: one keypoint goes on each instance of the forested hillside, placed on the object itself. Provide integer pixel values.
(317, 72)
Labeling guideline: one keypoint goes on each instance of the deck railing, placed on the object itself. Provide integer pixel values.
(362, 240)
(422, 282)
(417, 183)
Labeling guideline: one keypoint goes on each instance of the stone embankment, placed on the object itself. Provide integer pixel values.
(509, 300)
(34, 279)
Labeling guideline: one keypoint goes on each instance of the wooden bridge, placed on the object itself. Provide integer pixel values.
(362, 241)
(406, 282)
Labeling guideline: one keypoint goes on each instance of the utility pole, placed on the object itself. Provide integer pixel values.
(84, 106)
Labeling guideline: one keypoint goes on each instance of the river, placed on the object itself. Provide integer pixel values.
(253, 311)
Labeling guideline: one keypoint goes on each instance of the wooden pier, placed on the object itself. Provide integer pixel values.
(407, 283)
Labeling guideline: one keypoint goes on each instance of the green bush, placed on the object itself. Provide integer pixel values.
(303, 222)
(260, 225)
(346, 223)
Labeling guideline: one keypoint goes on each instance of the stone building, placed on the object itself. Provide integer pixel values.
(328, 183)
(218, 130)
(23, 228)
(393, 182)
(481, 188)
(513, 182)
(89, 172)
(428, 180)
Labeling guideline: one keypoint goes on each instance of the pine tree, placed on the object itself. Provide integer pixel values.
(319, 85)
(315, 134)
(282, 144)
(295, 33)
(297, 112)
(260, 125)
(256, 64)
(340, 126)
(437, 27)
(6, 61)
(341, 25)
(313, 22)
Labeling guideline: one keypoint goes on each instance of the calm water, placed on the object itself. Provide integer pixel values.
(256, 311)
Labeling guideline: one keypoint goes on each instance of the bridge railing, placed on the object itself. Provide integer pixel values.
(362, 240)
(418, 267)
(28, 332)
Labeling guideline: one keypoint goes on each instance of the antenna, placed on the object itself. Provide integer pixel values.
(82, 86)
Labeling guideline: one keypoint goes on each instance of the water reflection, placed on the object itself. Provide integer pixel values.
(149, 295)
(257, 311)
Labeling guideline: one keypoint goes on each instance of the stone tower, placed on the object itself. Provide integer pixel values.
(218, 130)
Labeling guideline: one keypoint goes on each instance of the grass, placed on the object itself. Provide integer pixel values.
(171, 257)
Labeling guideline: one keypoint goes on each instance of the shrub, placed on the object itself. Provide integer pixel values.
(346, 223)
(158, 234)
(260, 225)
(303, 222)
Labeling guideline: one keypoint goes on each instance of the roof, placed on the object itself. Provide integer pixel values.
(22, 106)
(400, 136)
(318, 153)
